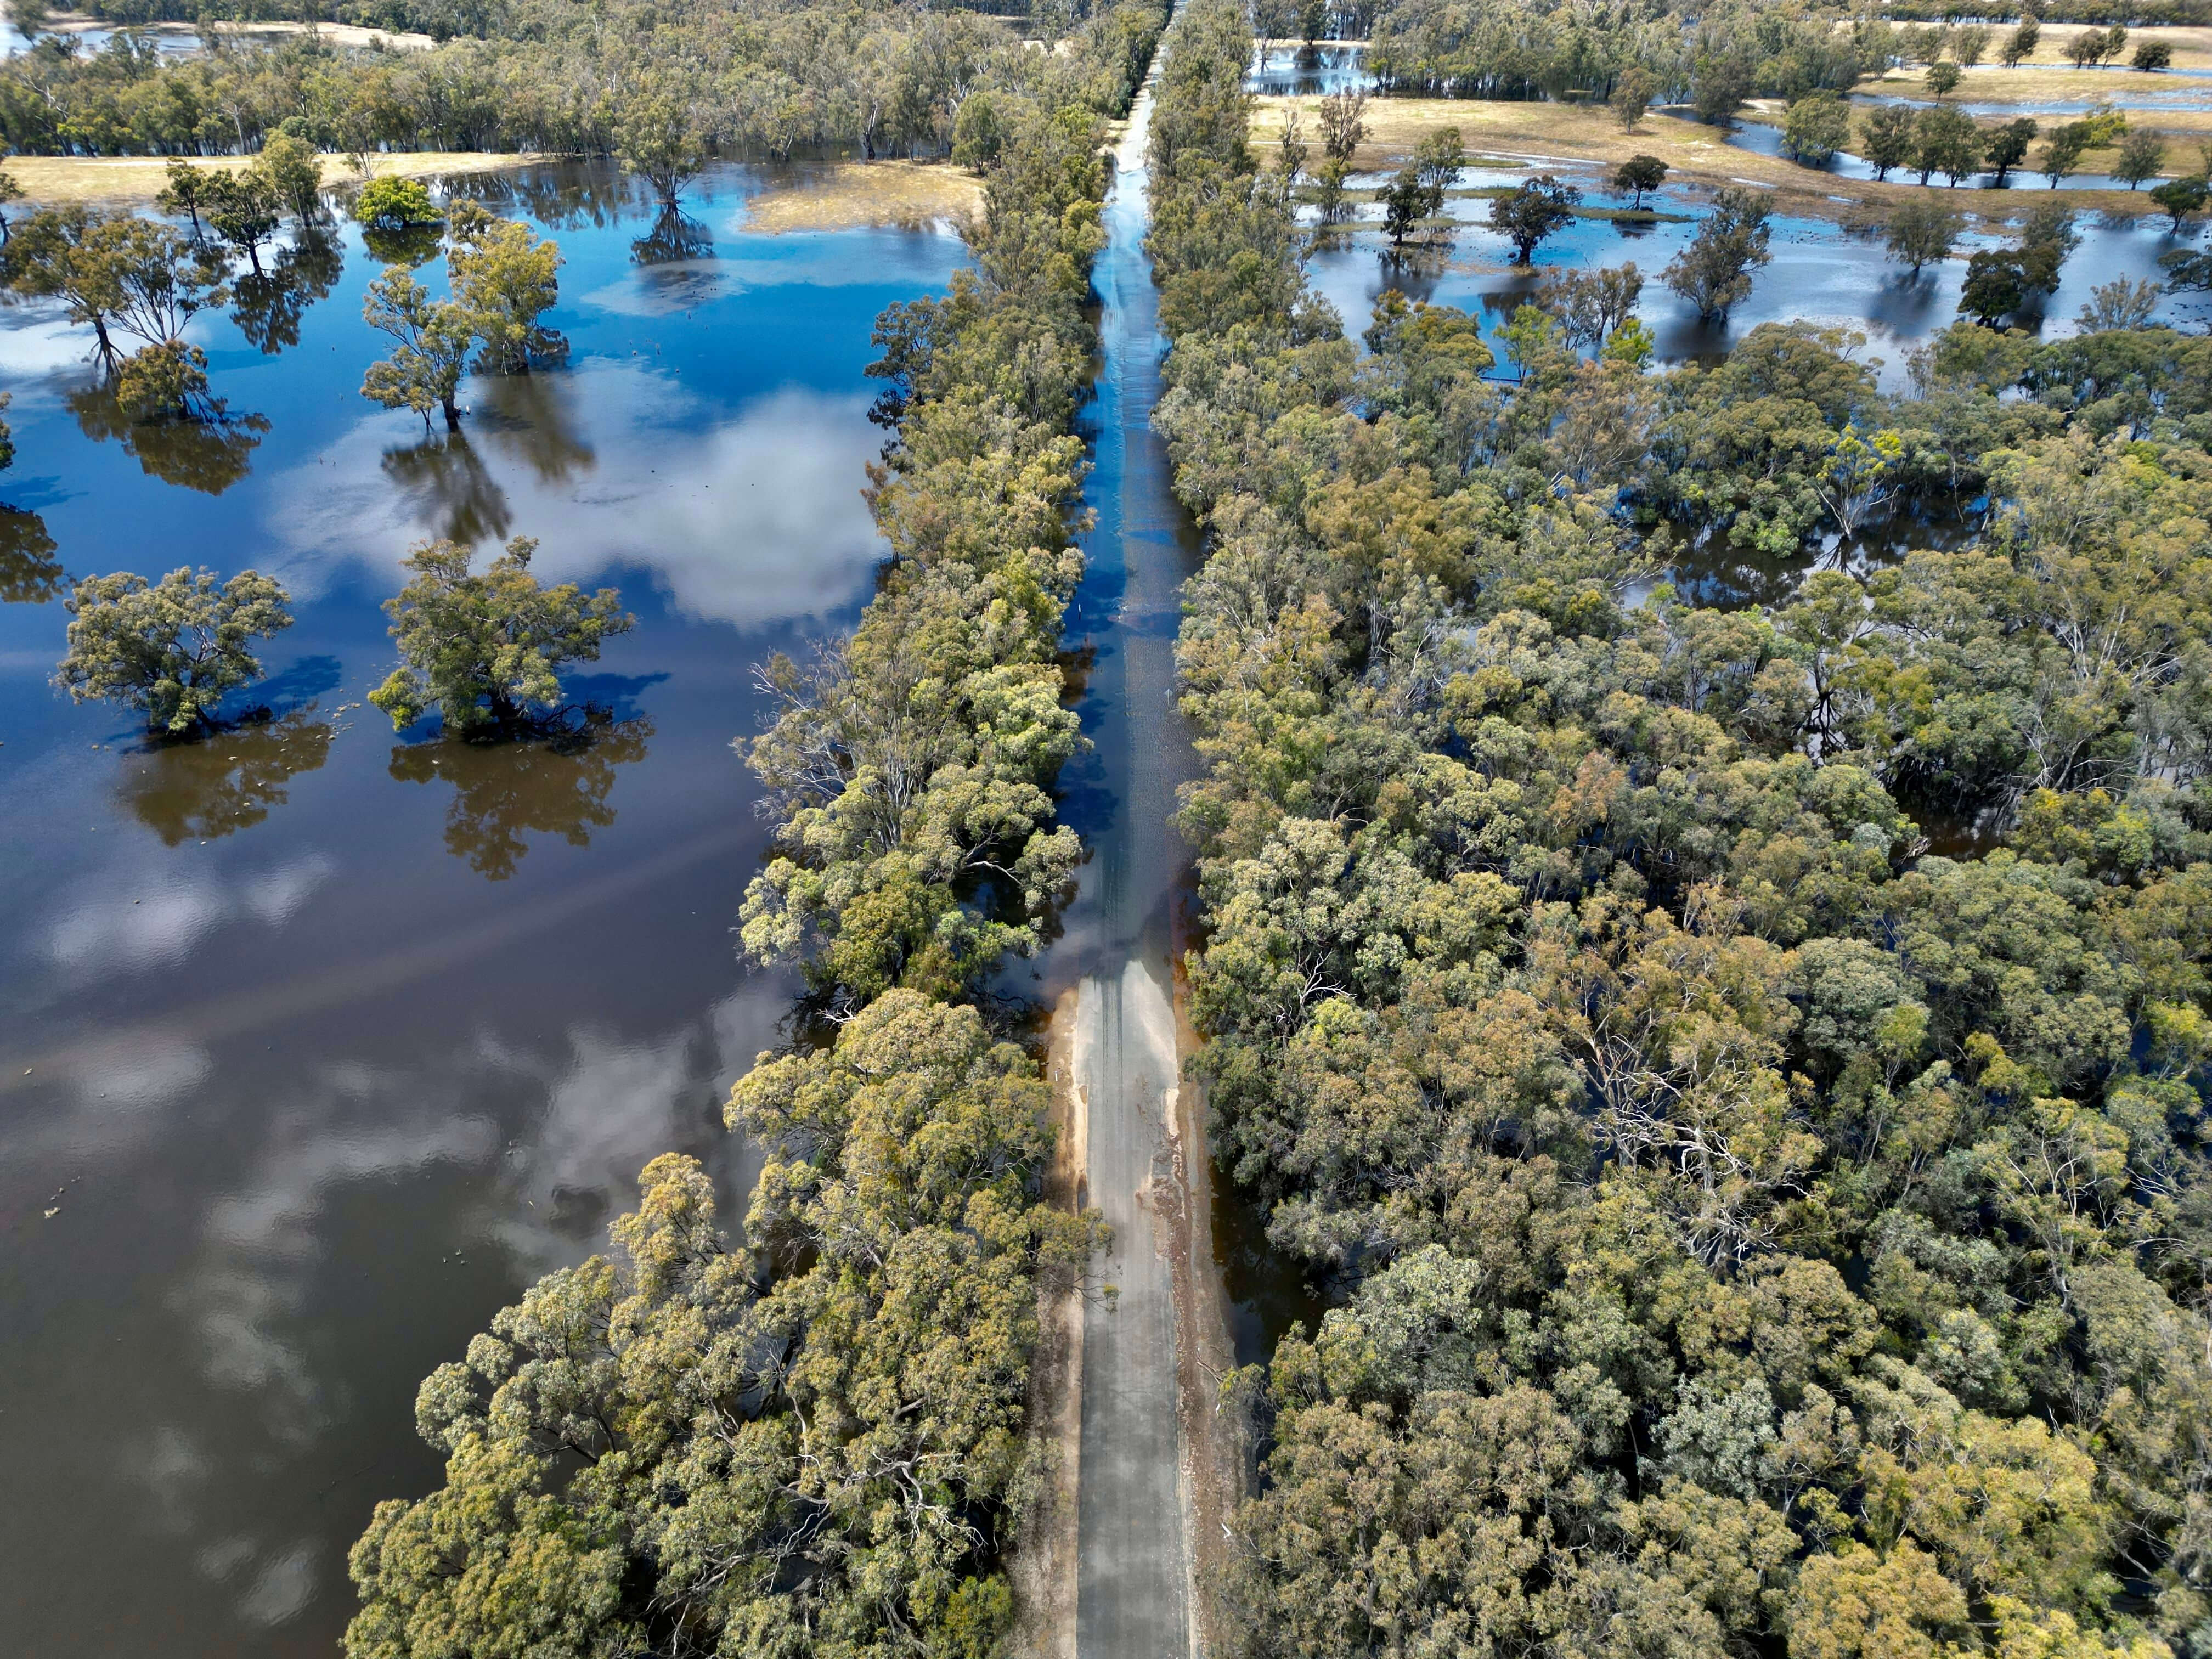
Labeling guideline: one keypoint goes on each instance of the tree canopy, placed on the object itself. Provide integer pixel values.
(1729, 1056)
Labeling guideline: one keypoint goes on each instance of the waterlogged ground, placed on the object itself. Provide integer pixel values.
(320, 1044)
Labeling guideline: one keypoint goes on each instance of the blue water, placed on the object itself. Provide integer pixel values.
(323, 1042)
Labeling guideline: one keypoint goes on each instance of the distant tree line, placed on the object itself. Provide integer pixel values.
(880, 79)
(812, 1442)
(1733, 1068)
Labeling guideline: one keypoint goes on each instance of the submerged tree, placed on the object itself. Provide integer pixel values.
(1714, 272)
(434, 338)
(656, 137)
(171, 649)
(506, 279)
(1533, 211)
(1920, 232)
(483, 650)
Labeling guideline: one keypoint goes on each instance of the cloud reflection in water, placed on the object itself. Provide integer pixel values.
(754, 520)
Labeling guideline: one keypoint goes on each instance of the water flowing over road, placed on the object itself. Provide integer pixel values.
(1136, 1493)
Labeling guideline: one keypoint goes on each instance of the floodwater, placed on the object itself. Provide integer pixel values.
(1327, 66)
(1764, 138)
(1821, 272)
(322, 1043)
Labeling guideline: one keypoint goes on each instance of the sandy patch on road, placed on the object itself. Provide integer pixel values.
(127, 178)
(850, 194)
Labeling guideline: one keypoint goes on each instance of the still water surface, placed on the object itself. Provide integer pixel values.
(320, 1042)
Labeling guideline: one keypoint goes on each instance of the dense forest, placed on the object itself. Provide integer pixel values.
(811, 1442)
(1736, 1066)
(565, 78)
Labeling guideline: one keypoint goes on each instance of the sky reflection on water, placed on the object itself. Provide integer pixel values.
(323, 1042)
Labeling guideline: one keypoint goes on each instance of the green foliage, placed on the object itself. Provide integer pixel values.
(1815, 127)
(113, 271)
(818, 1444)
(2142, 152)
(1947, 142)
(1632, 93)
(1921, 233)
(434, 338)
(395, 204)
(485, 650)
(2006, 146)
(1714, 272)
(2000, 281)
(1747, 1231)
(1532, 211)
(2178, 199)
(162, 382)
(1887, 139)
(653, 1449)
(2063, 151)
(172, 650)
(657, 136)
(505, 279)
(1638, 176)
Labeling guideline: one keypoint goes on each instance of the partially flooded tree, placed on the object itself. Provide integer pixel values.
(1589, 305)
(434, 338)
(242, 208)
(171, 649)
(1714, 272)
(115, 272)
(1920, 232)
(507, 278)
(485, 650)
(1815, 127)
(2006, 146)
(1886, 140)
(657, 136)
(1534, 210)
(395, 204)
(1638, 176)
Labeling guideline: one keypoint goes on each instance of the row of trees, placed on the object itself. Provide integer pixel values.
(661, 84)
(812, 1443)
(1712, 61)
(1748, 1231)
(1934, 139)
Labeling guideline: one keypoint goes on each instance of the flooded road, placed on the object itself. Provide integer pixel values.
(321, 1043)
(1121, 933)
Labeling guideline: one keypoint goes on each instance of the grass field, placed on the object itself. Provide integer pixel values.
(1538, 133)
(852, 193)
(52, 179)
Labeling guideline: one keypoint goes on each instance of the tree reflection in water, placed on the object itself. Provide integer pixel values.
(267, 304)
(208, 452)
(198, 791)
(531, 417)
(29, 572)
(453, 490)
(553, 786)
(675, 237)
(411, 246)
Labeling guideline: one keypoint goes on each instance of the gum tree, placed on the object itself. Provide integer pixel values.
(484, 650)
(171, 649)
